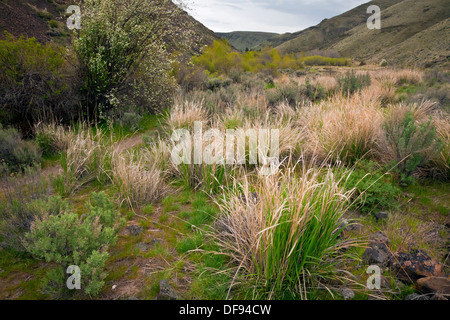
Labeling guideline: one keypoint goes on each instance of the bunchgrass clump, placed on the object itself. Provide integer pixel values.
(282, 231)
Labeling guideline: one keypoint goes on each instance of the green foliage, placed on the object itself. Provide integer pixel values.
(34, 83)
(20, 213)
(68, 239)
(16, 154)
(351, 83)
(313, 92)
(325, 61)
(283, 93)
(412, 145)
(123, 54)
(374, 188)
(131, 120)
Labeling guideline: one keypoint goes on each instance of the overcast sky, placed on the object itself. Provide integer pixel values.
(278, 16)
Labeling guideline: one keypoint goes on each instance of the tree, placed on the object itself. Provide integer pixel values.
(122, 49)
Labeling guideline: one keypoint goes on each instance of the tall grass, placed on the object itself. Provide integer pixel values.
(282, 231)
(86, 159)
(138, 180)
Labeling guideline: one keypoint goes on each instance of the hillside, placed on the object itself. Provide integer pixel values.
(243, 40)
(407, 25)
(46, 21)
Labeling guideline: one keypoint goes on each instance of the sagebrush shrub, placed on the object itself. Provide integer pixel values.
(410, 144)
(20, 213)
(68, 239)
(16, 154)
(351, 83)
(374, 188)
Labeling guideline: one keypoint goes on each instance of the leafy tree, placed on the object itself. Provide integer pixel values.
(122, 48)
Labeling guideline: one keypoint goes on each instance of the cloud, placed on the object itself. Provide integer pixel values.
(266, 15)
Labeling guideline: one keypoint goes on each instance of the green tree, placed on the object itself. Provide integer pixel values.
(122, 48)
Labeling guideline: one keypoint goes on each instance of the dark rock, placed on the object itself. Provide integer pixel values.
(381, 215)
(135, 230)
(166, 292)
(415, 296)
(415, 265)
(377, 253)
(439, 285)
(381, 237)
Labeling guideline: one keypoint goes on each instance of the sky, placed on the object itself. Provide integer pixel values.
(277, 16)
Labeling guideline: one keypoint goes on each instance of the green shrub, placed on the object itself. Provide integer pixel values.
(131, 120)
(352, 83)
(374, 187)
(123, 56)
(411, 145)
(35, 83)
(16, 154)
(283, 93)
(19, 214)
(325, 61)
(313, 92)
(67, 239)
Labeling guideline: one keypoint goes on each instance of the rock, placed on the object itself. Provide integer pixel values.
(133, 298)
(436, 285)
(381, 237)
(166, 292)
(377, 253)
(347, 294)
(415, 296)
(135, 230)
(415, 265)
(381, 215)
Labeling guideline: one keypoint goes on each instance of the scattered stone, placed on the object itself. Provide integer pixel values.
(436, 285)
(382, 215)
(415, 265)
(377, 253)
(166, 292)
(133, 298)
(135, 230)
(415, 296)
(347, 294)
(114, 287)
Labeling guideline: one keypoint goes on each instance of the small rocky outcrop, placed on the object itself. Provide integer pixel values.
(166, 292)
(435, 285)
(410, 267)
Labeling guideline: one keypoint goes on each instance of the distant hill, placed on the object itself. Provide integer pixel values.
(46, 21)
(243, 40)
(413, 32)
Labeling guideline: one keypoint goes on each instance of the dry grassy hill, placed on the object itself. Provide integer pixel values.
(414, 32)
